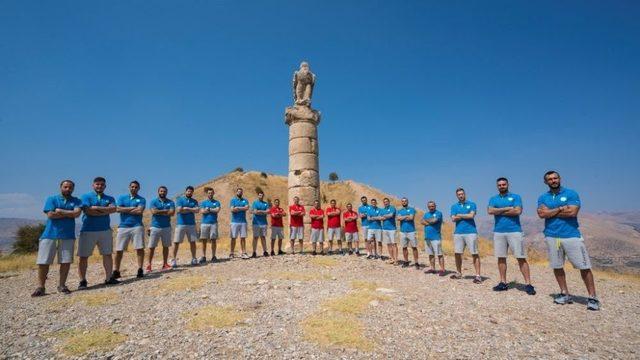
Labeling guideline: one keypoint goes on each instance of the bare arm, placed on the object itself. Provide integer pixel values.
(498, 211)
(569, 211)
(468, 216)
(513, 211)
(546, 213)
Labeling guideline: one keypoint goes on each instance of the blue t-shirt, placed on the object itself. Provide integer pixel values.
(63, 228)
(364, 210)
(373, 212)
(239, 217)
(130, 220)
(186, 218)
(464, 226)
(96, 223)
(161, 221)
(407, 226)
(212, 217)
(390, 223)
(559, 227)
(432, 231)
(257, 218)
(503, 223)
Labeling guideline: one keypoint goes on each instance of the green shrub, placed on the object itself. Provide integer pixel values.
(27, 238)
(333, 176)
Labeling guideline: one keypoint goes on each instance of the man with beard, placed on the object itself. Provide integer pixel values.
(351, 229)
(238, 227)
(317, 227)
(407, 215)
(374, 230)
(187, 208)
(130, 207)
(389, 230)
(209, 209)
(277, 214)
(334, 226)
(162, 209)
(260, 210)
(432, 221)
(465, 234)
(363, 212)
(296, 224)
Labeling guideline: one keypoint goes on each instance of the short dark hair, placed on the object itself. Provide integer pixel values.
(162, 187)
(386, 199)
(374, 200)
(69, 181)
(332, 200)
(260, 192)
(502, 179)
(276, 199)
(99, 179)
(549, 173)
(460, 189)
(239, 188)
(135, 182)
(207, 189)
(349, 204)
(364, 197)
(189, 188)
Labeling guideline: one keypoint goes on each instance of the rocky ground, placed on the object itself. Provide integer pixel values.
(263, 307)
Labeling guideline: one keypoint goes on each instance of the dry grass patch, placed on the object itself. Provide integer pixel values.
(78, 342)
(336, 330)
(15, 262)
(181, 283)
(364, 285)
(353, 303)
(297, 276)
(324, 261)
(87, 299)
(213, 316)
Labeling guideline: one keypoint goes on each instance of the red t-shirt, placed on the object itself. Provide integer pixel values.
(296, 220)
(333, 221)
(276, 221)
(351, 226)
(317, 223)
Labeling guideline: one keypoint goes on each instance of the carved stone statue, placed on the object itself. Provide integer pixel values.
(303, 82)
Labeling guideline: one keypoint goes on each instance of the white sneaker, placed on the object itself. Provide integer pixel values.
(173, 263)
(244, 256)
(194, 262)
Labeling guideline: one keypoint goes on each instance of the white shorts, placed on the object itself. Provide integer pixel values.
(317, 235)
(351, 237)
(433, 247)
(125, 235)
(389, 237)
(374, 235)
(334, 234)
(277, 232)
(88, 240)
(511, 240)
(185, 230)
(48, 248)
(408, 239)
(238, 230)
(208, 231)
(569, 248)
(460, 241)
(159, 234)
(259, 231)
(365, 234)
(296, 232)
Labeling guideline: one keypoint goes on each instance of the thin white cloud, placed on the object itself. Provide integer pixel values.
(20, 205)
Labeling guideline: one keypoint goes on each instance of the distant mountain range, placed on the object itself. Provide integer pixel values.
(8, 228)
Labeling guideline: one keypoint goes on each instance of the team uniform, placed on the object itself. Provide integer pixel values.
(296, 224)
(465, 234)
(209, 223)
(186, 222)
(260, 220)
(351, 227)
(277, 226)
(507, 231)
(408, 228)
(364, 222)
(130, 228)
(333, 225)
(317, 226)
(160, 224)
(432, 235)
(389, 225)
(95, 230)
(239, 218)
(59, 235)
(562, 235)
(374, 228)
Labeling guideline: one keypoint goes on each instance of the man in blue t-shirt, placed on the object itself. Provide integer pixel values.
(130, 207)
(238, 226)
(559, 208)
(432, 221)
(389, 231)
(260, 210)
(58, 237)
(506, 208)
(186, 208)
(465, 234)
(209, 208)
(162, 209)
(374, 230)
(363, 212)
(406, 216)
(96, 231)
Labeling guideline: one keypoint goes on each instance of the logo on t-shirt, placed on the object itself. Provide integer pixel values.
(468, 206)
(563, 199)
(510, 199)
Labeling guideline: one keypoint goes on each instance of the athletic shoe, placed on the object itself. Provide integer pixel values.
(442, 273)
(231, 255)
(273, 253)
(213, 259)
(140, 273)
(430, 271)
(357, 253)
(65, 290)
(166, 266)
(39, 292)
(202, 260)
(280, 252)
(369, 257)
(194, 262)
(111, 281)
(377, 257)
(266, 254)
(477, 279)
(244, 256)
(83, 285)
(342, 252)
(562, 299)
(501, 287)
(405, 264)
(530, 289)
(330, 252)
(593, 304)
(148, 268)
(456, 276)
(314, 253)
(350, 252)
(417, 266)
(254, 255)
(116, 274)
(174, 263)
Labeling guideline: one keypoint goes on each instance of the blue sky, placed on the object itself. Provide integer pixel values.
(417, 97)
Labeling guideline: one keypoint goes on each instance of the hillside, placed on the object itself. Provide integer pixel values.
(8, 228)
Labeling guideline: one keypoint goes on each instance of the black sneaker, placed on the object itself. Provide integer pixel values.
(39, 292)
(417, 266)
(330, 252)
(314, 253)
(64, 290)
(83, 285)
(116, 274)
(357, 253)
(369, 257)
(377, 257)
(501, 287)
(405, 264)
(265, 254)
(530, 289)
(213, 259)
(273, 253)
(140, 273)
(280, 252)
(350, 252)
(254, 255)
(111, 281)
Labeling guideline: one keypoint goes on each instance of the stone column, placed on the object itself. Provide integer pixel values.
(304, 177)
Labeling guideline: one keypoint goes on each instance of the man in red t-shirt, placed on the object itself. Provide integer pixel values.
(296, 224)
(333, 226)
(317, 226)
(351, 229)
(277, 228)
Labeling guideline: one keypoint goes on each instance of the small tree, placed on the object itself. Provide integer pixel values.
(239, 169)
(264, 174)
(333, 177)
(27, 238)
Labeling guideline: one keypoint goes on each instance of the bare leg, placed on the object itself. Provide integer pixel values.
(64, 273)
(524, 269)
(380, 248)
(476, 263)
(233, 245)
(165, 255)
(441, 261)
(176, 246)
(561, 279)
(107, 263)
(587, 277)
(502, 269)
(263, 242)
(43, 270)
(214, 247)
(330, 245)
(151, 253)
(293, 246)
(204, 247)
(273, 245)
(301, 246)
(459, 263)
(254, 244)
(340, 245)
(192, 247)
(243, 245)
(432, 262)
(140, 254)
(118, 260)
(82, 268)
(279, 244)
(415, 255)
(405, 254)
